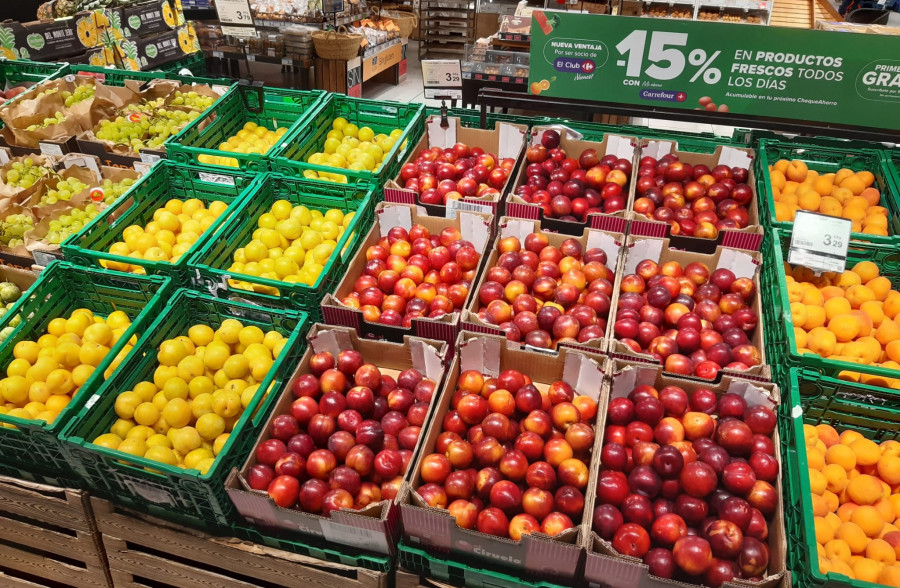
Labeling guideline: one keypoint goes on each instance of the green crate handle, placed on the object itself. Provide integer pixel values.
(256, 92)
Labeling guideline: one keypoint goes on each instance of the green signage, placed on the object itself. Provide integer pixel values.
(844, 78)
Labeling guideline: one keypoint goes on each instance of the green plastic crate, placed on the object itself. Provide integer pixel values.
(268, 107)
(28, 72)
(322, 551)
(892, 162)
(874, 412)
(209, 266)
(166, 180)
(195, 63)
(781, 347)
(290, 158)
(167, 491)
(458, 573)
(116, 77)
(33, 447)
(828, 160)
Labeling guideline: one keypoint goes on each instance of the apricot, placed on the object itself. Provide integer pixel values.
(796, 170)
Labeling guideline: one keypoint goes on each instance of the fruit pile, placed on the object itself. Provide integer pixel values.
(146, 128)
(348, 146)
(13, 229)
(112, 190)
(174, 228)
(24, 174)
(56, 119)
(855, 504)
(542, 294)
(292, 245)
(845, 194)
(191, 100)
(851, 316)
(9, 294)
(511, 460)
(62, 191)
(80, 94)
(695, 200)
(348, 439)
(695, 322)
(438, 175)
(66, 225)
(688, 483)
(47, 372)
(413, 274)
(200, 389)
(252, 138)
(570, 189)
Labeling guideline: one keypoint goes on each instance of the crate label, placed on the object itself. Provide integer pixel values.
(347, 535)
(819, 242)
(454, 206)
(287, 61)
(154, 495)
(150, 158)
(217, 179)
(251, 58)
(218, 54)
(50, 149)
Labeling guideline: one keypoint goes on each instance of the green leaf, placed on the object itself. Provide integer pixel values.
(7, 37)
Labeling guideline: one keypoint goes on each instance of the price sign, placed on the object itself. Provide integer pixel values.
(819, 242)
(442, 78)
(243, 32)
(234, 12)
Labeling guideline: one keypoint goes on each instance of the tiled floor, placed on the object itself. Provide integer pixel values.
(410, 90)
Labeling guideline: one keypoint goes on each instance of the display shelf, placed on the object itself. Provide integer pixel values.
(438, 38)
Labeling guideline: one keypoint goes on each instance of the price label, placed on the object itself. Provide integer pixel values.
(50, 149)
(218, 54)
(441, 73)
(141, 167)
(819, 242)
(446, 93)
(244, 32)
(287, 61)
(150, 158)
(454, 206)
(251, 58)
(217, 179)
(234, 12)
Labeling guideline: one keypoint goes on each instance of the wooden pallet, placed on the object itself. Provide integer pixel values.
(48, 537)
(144, 552)
(407, 579)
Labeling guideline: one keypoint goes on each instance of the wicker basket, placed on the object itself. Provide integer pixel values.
(339, 45)
(406, 21)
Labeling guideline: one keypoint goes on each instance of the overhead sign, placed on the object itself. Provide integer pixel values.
(821, 76)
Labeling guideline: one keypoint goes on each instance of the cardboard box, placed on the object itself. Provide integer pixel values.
(570, 141)
(606, 567)
(744, 264)
(48, 40)
(631, 8)
(474, 227)
(376, 527)
(147, 18)
(750, 237)
(146, 53)
(612, 243)
(556, 558)
(506, 140)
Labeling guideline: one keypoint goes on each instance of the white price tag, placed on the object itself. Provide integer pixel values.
(218, 54)
(50, 149)
(449, 93)
(87, 162)
(454, 206)
(347, 535)
(240, 32)
(217, 179)
(251, 58)
(287, 61)
(234, 12)
(819, 242)
(150, 158)
(141, 167)
(441, 73)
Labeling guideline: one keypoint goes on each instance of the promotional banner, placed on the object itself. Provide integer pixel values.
(823, 76)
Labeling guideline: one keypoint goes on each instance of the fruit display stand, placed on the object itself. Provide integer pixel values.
(781, 338)
(514, 238)
(728, 162)
(373, 527)
(604, 564)
(267, 107)
(505, 141)
(145, 551)
(166, 181)
(23, 74)
(846, 406)
(30, 449)
(418, 569)
(556, 553)
(863, 166)
(156, 488)
(49, 537)
(651, 257)
(210, 266)
(617, 203)
(473, 227)
(382, 116)
(385, 62)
